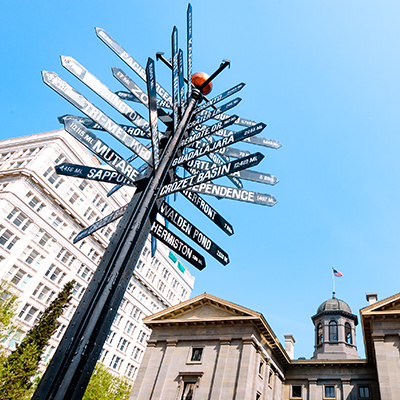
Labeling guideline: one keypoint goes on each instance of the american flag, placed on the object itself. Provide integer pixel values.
(336, 272)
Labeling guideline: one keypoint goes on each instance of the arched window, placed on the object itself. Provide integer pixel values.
(333, 331)
(320, 334)
(347, 333)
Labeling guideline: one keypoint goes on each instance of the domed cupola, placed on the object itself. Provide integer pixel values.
(335, 336)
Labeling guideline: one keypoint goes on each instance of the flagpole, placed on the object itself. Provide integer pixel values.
(333, 284)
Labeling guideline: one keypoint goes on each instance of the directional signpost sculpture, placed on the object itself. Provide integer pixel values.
(189, 135)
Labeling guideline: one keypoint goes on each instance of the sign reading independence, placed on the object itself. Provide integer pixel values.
(247, 196)
(165, 236)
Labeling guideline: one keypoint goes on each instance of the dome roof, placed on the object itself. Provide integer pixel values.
(334, 304)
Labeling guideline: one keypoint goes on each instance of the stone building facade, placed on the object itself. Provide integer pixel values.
(40, 214)
(208, 348)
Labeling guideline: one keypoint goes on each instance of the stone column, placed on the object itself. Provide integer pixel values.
(146, 378)
(163, 388)
(312, 389)
(346, 389)
(223, 355)
(382, 366)
(247, 370)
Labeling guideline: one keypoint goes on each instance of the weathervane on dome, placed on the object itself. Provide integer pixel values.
(188, 136)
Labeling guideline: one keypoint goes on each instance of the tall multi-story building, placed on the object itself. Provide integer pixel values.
(40, 214)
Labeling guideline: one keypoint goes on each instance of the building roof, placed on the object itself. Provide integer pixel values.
(207, 309)
(334, 304)
(385, 309)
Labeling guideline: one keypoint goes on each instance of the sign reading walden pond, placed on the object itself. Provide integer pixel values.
(184, 144)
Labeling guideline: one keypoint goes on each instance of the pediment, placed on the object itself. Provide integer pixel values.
(202, 308)
(386, 306)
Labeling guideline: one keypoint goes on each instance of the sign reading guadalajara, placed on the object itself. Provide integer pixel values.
(164, 235)
(217, 172)
(235, 194)
(206, 148)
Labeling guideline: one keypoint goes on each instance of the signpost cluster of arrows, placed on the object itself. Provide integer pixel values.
(192, 152)
(147, 141)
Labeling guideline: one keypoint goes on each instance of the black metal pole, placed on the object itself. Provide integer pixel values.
(69, 371)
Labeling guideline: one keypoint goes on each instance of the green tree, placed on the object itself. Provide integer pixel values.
(8, 306)
(20, 367)
(103, 385)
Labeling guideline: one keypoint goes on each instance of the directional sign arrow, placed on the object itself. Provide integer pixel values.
(88, 123)
(206, 148)
(220, 97)
(254, 176)
(151, 89)
(232, 152)
(127, 96)
(176, 219)
(220, 159)
(260, 141)
(104, 92)
(209, 211)
(209, 130)
(100, 223)
(165, 236)
(123, 78)
(102, 150)
(81, 103)
(247, 196)
(206, 115)
(92, 173)
(217, 172)
(129, 60)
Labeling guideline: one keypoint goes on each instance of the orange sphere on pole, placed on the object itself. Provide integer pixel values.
(198, 79)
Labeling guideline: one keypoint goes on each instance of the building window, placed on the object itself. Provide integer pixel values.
(364, 392)
(146, 252)
(130, 371)
(296, 392)
(320, 334)
(18, 277)
(19, 219)
(333, 331)
(27, 312)
(330, 391)
(123, 345)
(8, 239)
(261, 368)
(270, 378)
(347, 333)
(258, 396)
(129, 328)
(188, 391)
(197, 354)
(116, 363)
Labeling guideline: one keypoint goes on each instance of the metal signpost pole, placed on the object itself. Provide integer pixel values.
(70, 369)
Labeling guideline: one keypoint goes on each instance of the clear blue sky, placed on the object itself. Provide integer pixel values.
(323, 75)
